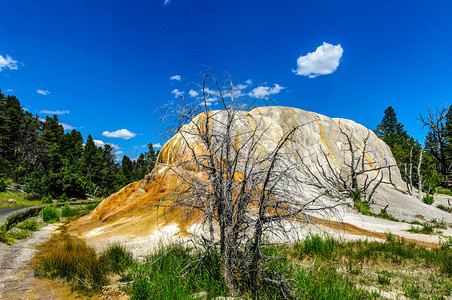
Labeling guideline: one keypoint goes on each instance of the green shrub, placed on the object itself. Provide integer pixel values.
(63, 198)
(91, 206)
(363, 207)
(47, 199)
(428, 199)
(8, 237)
(384, 278)
(28, 224)
(3, 184)
(50, 214)
(118, 258)
(357, 195)
(67, 211)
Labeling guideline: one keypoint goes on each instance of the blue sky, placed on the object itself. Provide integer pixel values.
(107, 65)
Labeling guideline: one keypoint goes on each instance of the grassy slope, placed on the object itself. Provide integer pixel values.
(22, 200)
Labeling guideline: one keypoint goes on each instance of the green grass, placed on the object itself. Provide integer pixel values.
(75, 263)
(426, 229)
(445, 208)
(364, 208)
(445, 191)
(22, 200)
(313, 268)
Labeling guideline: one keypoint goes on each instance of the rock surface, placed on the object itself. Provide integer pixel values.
(125, 216)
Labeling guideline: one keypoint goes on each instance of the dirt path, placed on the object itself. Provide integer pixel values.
(15, 260)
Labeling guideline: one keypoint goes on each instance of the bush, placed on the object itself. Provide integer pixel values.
(67, 211)
(29, 224)
(50, 214)
(3, 184)
(428, 199)
(363, 207)
(91, 206)
(47, 199)
(384, 278)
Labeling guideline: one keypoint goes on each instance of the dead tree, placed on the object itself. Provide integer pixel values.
(435, 121)
(419, 175)
(359, 178)
(237, 183)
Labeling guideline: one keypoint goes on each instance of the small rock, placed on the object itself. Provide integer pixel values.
(11, 201)
(200, 295)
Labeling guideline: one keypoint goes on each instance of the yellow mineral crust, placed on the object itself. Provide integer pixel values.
(129, 212)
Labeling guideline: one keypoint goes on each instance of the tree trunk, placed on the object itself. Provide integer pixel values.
(419, 192)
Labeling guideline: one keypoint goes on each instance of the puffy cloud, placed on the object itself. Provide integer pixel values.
(67, 126)
(9, 90)
(177, 93)
(121, 133)
(323, 61)
(102, 144)
(209, 101)
(54, 112)
(42, 92)
(119, 152)
(8, 63)
(175, 77)
(193, 93)
(249, 82)
(158, 145)
(263, 92)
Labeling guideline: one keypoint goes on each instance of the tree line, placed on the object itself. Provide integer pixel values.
(47, 161)
(422, 167)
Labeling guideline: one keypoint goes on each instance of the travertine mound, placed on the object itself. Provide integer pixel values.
(125, 215)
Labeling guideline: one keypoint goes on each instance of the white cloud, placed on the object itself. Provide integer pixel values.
(67, 126)
(158, 145)
(119, 152)
(193, 93)
(54, 112)
(249, 82)
(241, 86)
(121, 133)
(8, 63)
(175, 77)
(262, 92)
(102, 144)
(166, 2)
(177, 93)
(42, 92)
(323, 61)
(9, 91)
(209, 101)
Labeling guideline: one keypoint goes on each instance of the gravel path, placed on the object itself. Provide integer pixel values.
(15, 259)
